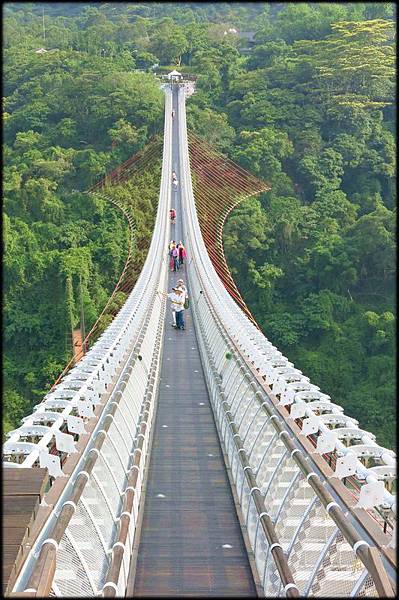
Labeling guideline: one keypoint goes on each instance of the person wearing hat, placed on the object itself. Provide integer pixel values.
(175, 256)
(180, 284)
(177, 298)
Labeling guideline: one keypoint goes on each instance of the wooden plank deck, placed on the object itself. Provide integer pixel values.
(191, 543)
(23, 490)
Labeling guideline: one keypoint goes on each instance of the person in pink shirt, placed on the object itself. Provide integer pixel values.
(175, 256)
(182, 253)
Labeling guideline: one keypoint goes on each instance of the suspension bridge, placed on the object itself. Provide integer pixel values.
(195, 463)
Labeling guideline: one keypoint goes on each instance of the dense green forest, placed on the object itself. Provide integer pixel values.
(300, 94)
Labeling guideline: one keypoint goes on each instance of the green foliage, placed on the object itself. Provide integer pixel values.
(309, 107)
(353, 66)
(210, 125)
(169, 42)
(262, 151)
(70, 117)
(312, 117)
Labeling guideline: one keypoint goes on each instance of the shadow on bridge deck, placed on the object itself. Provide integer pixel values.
(191, 541)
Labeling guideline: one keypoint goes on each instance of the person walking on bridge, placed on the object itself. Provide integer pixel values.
(182, 253)
(177, 298)
(172, 245)
(175, 256)
(180, 284)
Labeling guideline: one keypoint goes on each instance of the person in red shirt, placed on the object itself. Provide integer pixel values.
(182, 253)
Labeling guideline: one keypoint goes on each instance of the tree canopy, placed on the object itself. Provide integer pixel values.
(301, 94)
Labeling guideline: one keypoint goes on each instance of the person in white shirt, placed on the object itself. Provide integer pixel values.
(177, 298)
(180, 284)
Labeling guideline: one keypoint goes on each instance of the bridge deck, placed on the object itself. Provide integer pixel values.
(184, 531)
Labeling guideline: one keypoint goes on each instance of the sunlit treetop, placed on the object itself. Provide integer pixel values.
(355, 64)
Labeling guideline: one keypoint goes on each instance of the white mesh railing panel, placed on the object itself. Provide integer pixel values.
(368, 589)
(114, 483)
(71, 578)
(314, 533)
(268, 463)
(125, 431)
(251, 520)
(338, 572)
(261, 552)
(248, 415)
(242, 407)
(271, 579)
(104, 481)
(278, 488)
(253, 434)
(87, 541)
(105, 520)
(120, 452)
(266, 439)
(292, 506)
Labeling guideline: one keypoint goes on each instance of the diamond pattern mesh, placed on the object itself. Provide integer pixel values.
(248, 418)
(120, 444)
(339, 571)
(109, 472)
(368, 590)
(238, 394)
(122, 417)
(94, 498)
(264, 441)
(312, 530)
(269, 463)
(86, 539)
(70, 576)
(293, 509)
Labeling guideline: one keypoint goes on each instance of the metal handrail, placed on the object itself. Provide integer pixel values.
(251, 339)
(138, 309)
(216, 297)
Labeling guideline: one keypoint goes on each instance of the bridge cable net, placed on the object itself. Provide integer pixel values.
(131, 168)
(328, 534)
(219, 185)
(98, 419)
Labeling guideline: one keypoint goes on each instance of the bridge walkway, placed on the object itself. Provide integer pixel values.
(191, 543)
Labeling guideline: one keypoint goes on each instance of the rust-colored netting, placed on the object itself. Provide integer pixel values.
(219, 185)
(133, 166)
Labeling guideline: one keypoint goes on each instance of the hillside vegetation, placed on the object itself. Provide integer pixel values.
(308, 106)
